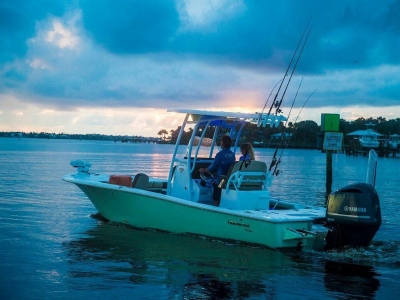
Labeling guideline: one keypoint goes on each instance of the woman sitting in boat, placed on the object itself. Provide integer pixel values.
(221, 164)
(247, 152)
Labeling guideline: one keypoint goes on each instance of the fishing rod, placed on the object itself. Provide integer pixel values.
(276, 172)
(245, 161)
(288, 68)
(266, 102)
(278, 104)
(294, 100)
(275, 161)
(274, 103)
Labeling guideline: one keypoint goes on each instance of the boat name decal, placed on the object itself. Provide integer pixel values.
(238, 224)
(355, 209)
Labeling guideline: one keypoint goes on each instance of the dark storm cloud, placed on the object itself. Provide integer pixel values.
(151, 53)
(345, 34)
(131, 26)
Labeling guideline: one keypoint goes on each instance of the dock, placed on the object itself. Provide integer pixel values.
(354, 148)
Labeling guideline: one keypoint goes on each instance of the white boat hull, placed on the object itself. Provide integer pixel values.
(368, 144)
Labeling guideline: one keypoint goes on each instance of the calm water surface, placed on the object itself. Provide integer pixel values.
(53, 247)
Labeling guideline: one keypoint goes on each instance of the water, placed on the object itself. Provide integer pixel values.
(52, 246)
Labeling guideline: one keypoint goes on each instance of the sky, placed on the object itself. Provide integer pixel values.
(116, 66)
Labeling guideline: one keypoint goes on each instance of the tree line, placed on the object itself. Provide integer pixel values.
(301, 134)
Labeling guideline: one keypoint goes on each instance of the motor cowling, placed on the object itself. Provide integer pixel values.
(353, 216)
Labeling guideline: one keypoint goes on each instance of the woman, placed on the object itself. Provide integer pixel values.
(247, 152)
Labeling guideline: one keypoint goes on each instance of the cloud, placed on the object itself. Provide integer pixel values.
(17, 115)
(65, 56)
(203, 15)
(17, 24)
(61, 36)
(131, 26)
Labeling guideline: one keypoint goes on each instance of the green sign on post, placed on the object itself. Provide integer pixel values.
(332, 141)
(330, 122)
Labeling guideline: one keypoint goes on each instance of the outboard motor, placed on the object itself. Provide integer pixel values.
(353, 216)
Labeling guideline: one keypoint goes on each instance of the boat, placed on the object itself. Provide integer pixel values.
(181, 203)
(368, 139)
(394, 142)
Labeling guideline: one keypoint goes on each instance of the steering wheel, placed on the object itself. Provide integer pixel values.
(207, 177)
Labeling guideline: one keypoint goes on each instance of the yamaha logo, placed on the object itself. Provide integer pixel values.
(355, 209)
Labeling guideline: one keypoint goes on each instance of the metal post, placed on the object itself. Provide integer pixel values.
(328, 172)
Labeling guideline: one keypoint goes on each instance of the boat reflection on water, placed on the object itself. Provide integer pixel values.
(185, 265)
(209, 286)
(350, 279)
(109, 257)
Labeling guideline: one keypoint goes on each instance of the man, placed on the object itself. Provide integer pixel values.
(221, 164)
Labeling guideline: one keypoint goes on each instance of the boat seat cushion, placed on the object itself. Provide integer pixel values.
(124, 180)
(140, 181)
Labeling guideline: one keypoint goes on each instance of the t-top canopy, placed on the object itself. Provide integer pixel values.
(259, 119)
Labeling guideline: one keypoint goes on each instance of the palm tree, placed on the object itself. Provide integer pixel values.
(163, 132)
